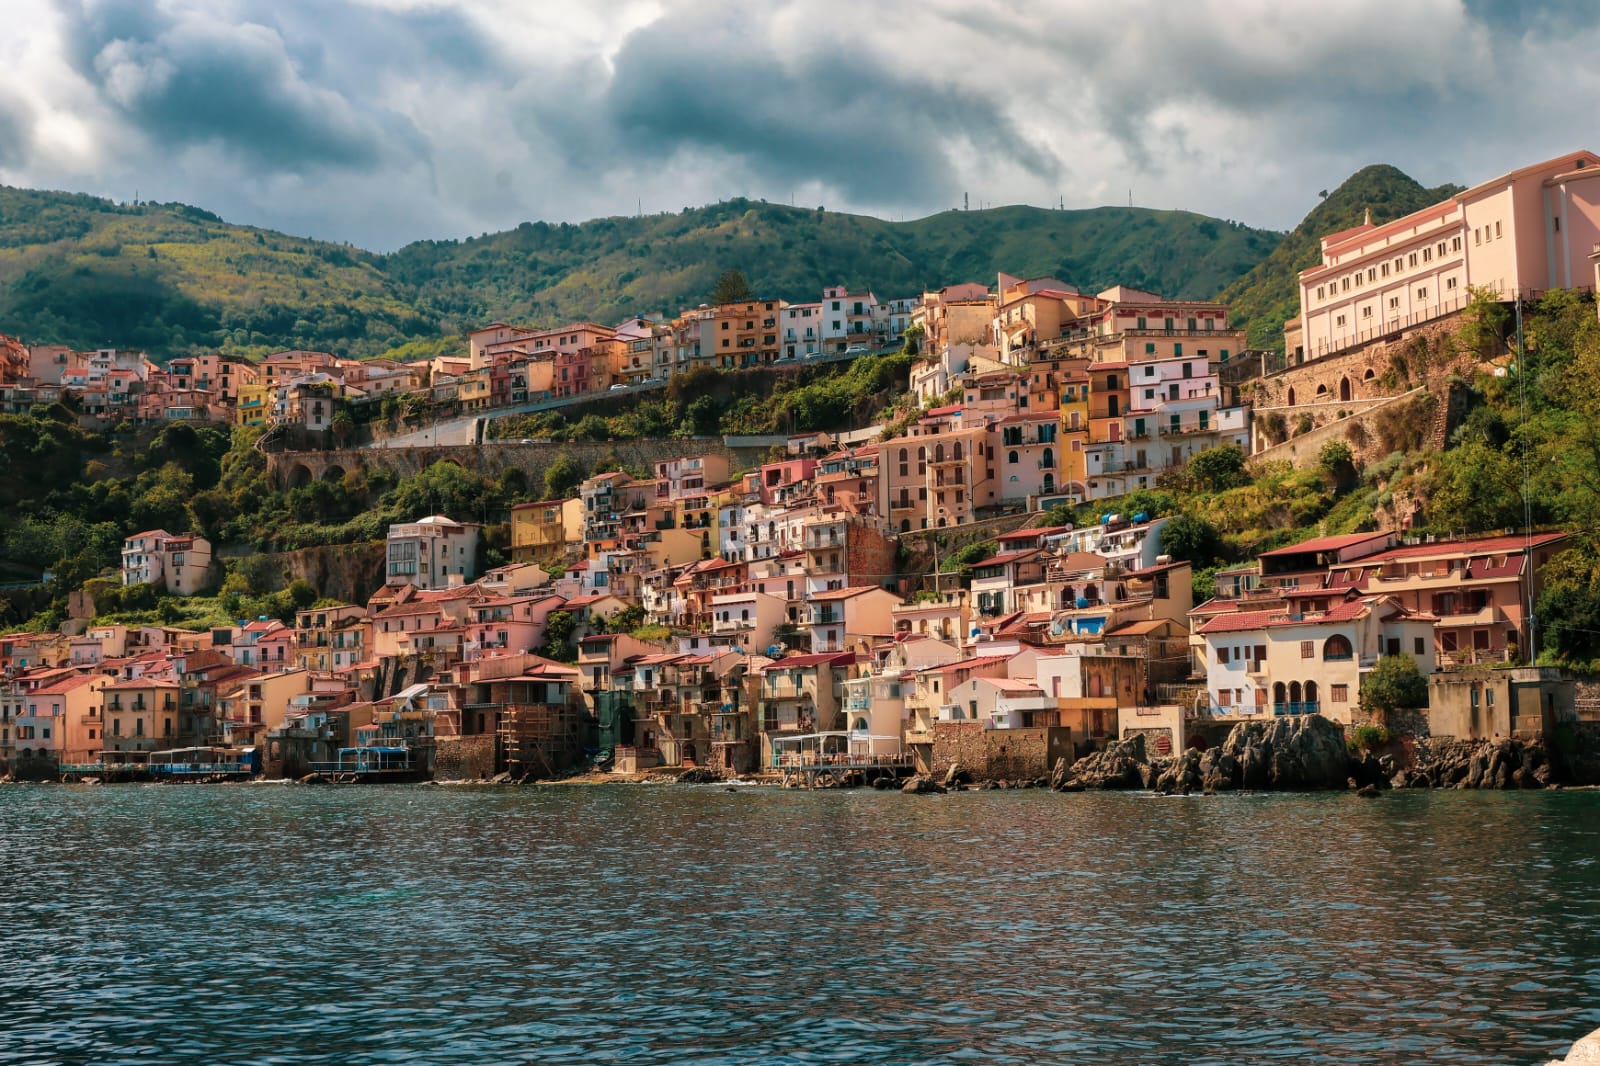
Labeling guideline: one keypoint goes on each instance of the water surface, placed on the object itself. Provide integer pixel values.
(671, 924)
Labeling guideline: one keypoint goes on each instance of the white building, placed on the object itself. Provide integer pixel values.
(432, 553)
(178, 563)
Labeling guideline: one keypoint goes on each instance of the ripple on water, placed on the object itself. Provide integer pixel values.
(621, 925)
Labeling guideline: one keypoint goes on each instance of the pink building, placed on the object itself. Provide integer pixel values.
(1521, 233)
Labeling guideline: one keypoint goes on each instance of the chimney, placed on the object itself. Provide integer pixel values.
(1368, 220)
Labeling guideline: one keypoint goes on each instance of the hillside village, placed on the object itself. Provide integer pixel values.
(699, 615)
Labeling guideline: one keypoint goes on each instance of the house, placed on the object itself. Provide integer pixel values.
(432, 553)
(61, 722)
(1002, 703)
(538, 531)
(330, 637)
(799, 694)
(178, 563)
(1275, 662)
(141, 714)
(837, 616)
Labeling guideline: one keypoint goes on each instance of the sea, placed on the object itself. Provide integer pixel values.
(702, 925)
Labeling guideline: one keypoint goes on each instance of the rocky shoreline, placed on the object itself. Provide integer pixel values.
(1307, 754)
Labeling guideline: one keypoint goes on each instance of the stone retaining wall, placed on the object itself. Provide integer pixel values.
(463, 758)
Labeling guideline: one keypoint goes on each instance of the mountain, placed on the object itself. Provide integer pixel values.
(1268, 296)
(170, 279)
(612, 267)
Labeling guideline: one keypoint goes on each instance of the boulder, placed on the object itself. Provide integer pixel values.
(1119, 766)
(883, 781)
(1182, 777)
(956, 775)
(1369, 792)
(1300, 753)
(700, 775)
(1219, 771)
(922, 786)
(1585, 1052)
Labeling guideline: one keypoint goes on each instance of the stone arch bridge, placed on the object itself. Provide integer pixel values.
(293, 469)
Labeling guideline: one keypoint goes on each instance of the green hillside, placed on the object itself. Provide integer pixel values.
(1266, 297)
(609, 268)
(170, 279)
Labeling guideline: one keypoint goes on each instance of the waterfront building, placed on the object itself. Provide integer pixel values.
(61, 722)
(1282, 662)
(330, 637)
(839, 618)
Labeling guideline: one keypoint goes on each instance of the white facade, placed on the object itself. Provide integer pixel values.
(433, 553)
(178, 563)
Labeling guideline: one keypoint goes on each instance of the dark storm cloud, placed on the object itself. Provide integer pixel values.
(16, 130)
(279, 86)
(847, 121)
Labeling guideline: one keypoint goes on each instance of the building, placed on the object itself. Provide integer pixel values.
(539, 531)
(178, 563)
(1278, 662)
(432, 553)
(1514, 235)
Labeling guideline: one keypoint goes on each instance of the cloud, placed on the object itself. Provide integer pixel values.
(383, 121)
(16, 130)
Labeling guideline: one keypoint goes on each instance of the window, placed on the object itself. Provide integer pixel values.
(1321, 291)
(1477, 236)
(1308, 649)
(1422, 293)
(1497, 231)
(1150, 348)
(1366, 312)
(1394, 303)
(1455, 244)
(1449, 283)
(1338, 693)
(1418, 645)
(1412, 259)
(1556, 223)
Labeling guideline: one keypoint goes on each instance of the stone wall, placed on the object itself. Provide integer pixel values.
(998, 754)
(464, 758)
(1365, 443)
(1376, 370)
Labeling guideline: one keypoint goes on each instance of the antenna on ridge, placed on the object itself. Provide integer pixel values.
(965, 206)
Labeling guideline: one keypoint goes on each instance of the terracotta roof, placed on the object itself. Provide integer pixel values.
(1473, 546)
(790, 661)
(967, 664)
(1012, 684)
(1026, 534)
(1239, 622)
(1009, 557)
(843, 594)
(1324, 544)
(1137, 629)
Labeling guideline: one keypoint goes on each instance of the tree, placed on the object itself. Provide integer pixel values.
(562, 477)
(1338, 462)
(1187, 537)
(558, 630)
(1218, 469)
(1395, 684)
(731, 288)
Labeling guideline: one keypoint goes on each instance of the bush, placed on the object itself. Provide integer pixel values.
(1369, 737)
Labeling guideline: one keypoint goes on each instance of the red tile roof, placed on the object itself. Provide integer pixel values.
(1324, 544)
(1239, 622)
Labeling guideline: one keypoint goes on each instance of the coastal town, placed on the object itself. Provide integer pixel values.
(779, 608)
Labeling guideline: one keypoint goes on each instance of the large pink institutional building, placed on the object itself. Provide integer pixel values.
(1521, 233)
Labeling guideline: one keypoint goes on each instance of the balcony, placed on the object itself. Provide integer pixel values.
(1282, 709)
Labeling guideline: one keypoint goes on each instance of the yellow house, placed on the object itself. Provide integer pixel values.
(254, 405)
(1074, 431)
(262, 702)
(539, 529)
(141, 714)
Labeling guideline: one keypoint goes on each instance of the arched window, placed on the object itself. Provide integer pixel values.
(955, 451)
(1291, 404)
(1337, 648)
(1294, 692)
(1344, 388)
(1311, 692)
(938, 453)
(1279, 693)
(1049, 459)
(1011, 457)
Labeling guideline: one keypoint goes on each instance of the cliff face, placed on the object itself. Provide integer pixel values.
(346, 572)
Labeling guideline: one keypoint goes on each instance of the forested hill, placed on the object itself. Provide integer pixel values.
(610, 267)
(170, 279)
(1266, 297)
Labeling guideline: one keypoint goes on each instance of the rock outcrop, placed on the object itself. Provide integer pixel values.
(922, 786)
(1304, 753)
(1121, 765)
(1585, 1052)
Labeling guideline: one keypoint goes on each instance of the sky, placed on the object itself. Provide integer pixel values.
(380, 122)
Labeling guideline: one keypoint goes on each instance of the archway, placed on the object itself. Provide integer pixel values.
(1311, 695)
(299, 476)
(1344, 390)
(1294, 692)
(1280, 695)
(334, 473)
(1291, 397)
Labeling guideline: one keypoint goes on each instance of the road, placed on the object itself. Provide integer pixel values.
(470, 429)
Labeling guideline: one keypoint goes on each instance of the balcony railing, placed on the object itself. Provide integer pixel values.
(1296, 708)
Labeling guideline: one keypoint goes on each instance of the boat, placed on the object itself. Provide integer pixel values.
(205, 764)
